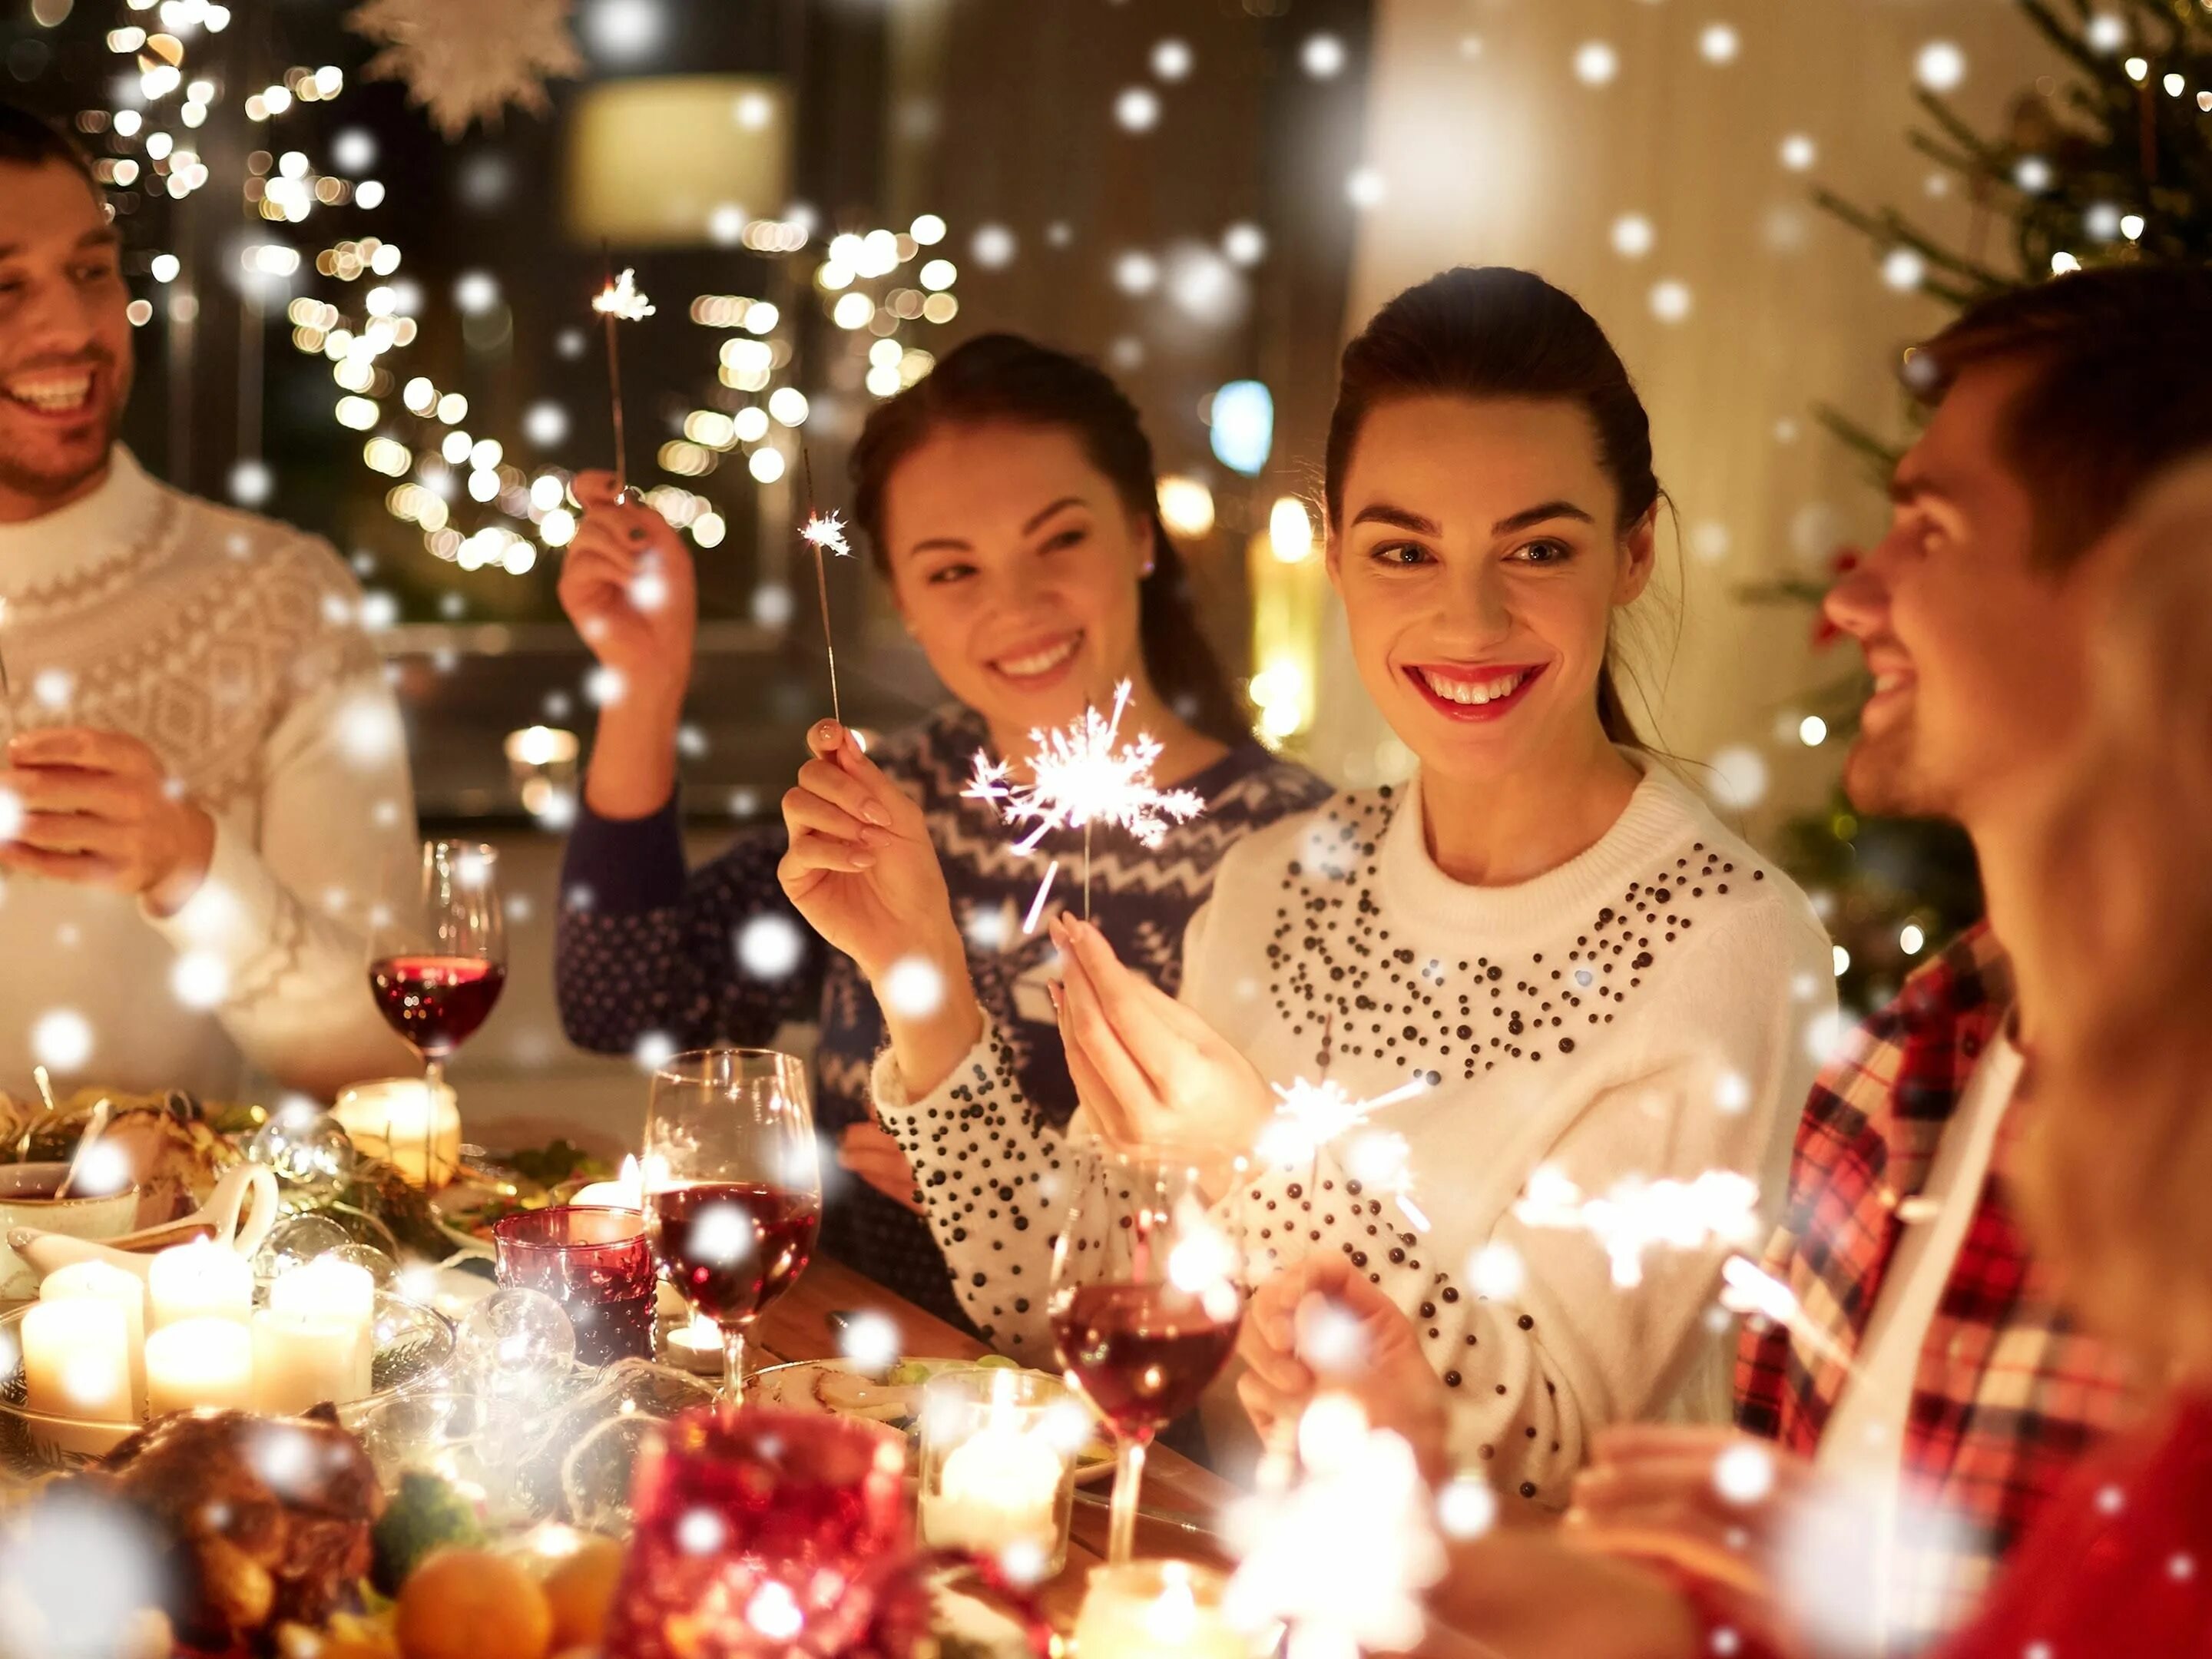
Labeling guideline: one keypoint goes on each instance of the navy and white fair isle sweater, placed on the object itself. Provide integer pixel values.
(647, 949)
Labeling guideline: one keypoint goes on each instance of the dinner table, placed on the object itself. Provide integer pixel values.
(1182, 1503)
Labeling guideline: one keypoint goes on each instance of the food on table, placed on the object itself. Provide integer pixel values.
(348, 1636)
(425, 1514)
(472, 1604)
(581, 1589)
(893, 1397)
(265, 1520)
(169, 1141)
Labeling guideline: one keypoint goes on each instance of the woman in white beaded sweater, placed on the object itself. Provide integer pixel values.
(1589, 971)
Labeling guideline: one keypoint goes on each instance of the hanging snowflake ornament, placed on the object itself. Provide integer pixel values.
(466, 62)
(1639, 1216)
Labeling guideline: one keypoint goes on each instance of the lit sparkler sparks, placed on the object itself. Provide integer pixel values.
(619, 300)
(1310, 1116)
(1747, 1288)
(1639, 1216)
(825, 533)
(1082, 775)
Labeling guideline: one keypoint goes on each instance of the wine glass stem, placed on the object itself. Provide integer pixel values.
(433, 1089)
(733, 1365)
(1128, 1476)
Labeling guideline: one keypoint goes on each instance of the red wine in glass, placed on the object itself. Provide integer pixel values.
(731, 1247)
(733, 1186)
(437, 958)
(435, 1003)
(1143, 1354)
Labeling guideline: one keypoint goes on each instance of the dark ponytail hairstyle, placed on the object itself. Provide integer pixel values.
(1004, 377)
(1493, 331)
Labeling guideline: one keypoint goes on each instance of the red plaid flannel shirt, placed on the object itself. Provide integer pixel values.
(2011, 1391)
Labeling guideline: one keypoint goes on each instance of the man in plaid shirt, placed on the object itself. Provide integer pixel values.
(1924, 1380)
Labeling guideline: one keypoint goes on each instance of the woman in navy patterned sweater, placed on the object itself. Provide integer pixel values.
(1009, 500)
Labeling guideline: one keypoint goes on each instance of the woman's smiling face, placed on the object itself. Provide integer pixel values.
(1015, 566)
(1479, 561)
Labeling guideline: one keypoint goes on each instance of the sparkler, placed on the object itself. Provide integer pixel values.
(825, 533)
(619, 301)
(1310, 1116)
(1081, 775)
(1639, 1216)
(1746, 1288)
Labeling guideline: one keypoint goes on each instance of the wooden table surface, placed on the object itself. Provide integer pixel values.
(798, 1328)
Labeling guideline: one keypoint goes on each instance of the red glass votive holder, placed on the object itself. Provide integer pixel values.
(759, 1532)
(595, 1262)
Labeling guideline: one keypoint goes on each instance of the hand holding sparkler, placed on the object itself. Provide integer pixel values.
(1152, 1070)
(1321, 1325)
(863, 871)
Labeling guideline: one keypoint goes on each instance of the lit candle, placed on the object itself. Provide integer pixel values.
(99, 1281)
(999, 1487)
(325, 1291)
(395, 1120)
(301, 1359)
(696, 1347)
(77, 1363)
(200, 1280)
(198, 1362)
(625, 1192)
(1156, 1610)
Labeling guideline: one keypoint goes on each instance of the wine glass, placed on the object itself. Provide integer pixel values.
(1145, 1301)
(732, 1186)
(437, 957)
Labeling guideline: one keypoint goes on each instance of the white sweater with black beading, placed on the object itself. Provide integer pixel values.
(1651, 1008)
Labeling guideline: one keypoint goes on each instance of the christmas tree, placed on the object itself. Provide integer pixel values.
(2109, 163)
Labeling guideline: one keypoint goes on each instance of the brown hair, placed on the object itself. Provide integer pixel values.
(2115, 954)
(1493, 332)
(2119, 390)
(1006, 377)
(27, 140)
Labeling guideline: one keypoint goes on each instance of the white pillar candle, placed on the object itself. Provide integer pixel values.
(1156, 1610)
(396, 1120)
(100, 1281)
(302, 1359)
(200, 1280)
(198, 1362)
(329, 1291)
(77, 1363)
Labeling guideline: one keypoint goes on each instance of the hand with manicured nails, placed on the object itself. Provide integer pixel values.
(1150, 1071)
(98, 809)
(1322, 1326)
(862, 870)
(628, 583)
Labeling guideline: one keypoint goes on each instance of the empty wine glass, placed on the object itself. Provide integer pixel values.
(437, 955)
(732, 1186)
(1146, 1298)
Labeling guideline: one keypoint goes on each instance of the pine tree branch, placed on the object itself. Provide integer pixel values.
(1891, 228)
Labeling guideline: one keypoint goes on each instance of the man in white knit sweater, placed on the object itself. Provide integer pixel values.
(205, 779)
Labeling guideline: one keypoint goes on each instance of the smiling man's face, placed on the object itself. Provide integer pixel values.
(64, 339)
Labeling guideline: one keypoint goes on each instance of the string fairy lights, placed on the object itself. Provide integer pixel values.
(1081, 775)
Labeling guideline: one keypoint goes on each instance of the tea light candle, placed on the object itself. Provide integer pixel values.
(200, 1280)
(696, 1347)
(77, 1363)
(1156, 1610)
(625, 1192)
(326, 1291)
(100, 1281)
(999, 1487)
(302, 1359)
(396, 1120)
(198, 1362)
